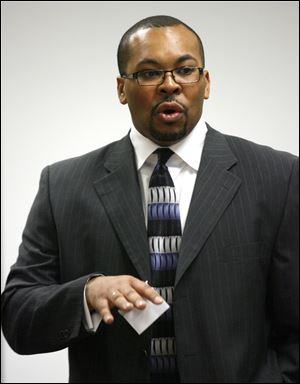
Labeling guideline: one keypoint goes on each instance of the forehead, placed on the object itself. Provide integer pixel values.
(163, 45)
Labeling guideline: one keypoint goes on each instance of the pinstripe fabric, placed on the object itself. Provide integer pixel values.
(235, 298)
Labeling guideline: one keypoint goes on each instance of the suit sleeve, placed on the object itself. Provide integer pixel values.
(285, 285)
(39, 313)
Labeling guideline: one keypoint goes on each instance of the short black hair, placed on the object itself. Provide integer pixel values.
(150, 22)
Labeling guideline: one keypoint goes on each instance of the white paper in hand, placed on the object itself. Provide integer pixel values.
(141, 319)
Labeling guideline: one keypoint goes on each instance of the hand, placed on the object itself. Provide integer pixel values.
(123, 292)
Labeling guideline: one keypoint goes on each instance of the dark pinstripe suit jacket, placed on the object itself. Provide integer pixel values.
(236, 290)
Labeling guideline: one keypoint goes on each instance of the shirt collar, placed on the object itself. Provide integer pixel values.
(189, 149)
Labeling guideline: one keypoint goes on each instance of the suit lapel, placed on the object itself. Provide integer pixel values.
(214, 189)
(119, 191)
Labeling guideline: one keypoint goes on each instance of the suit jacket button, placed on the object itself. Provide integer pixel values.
(66, 333)
(63, 334)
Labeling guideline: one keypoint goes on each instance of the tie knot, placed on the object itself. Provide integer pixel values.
(164, 154)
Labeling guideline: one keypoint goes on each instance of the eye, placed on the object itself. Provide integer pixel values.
(185, 71)
(150, 74)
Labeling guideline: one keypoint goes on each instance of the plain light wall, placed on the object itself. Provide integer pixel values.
(59, 98)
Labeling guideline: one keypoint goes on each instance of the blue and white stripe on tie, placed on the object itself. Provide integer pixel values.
(164, 236)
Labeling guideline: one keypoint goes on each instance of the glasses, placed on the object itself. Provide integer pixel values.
(182, 75)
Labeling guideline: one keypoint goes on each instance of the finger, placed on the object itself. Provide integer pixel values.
(153, 295)
(146, 291)
(135, 298)
(114, 294)
(117, 299)
(103, 309)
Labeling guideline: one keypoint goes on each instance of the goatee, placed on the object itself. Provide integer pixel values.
(168, 136)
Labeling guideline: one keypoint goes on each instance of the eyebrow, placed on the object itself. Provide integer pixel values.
(155, 62)
(184, 58)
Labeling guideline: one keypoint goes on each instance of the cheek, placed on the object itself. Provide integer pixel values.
(140, 102)
(195, 100)
(195, 105)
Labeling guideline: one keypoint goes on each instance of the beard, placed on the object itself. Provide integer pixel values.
(174, 133)
(168, 136)
(171, 135)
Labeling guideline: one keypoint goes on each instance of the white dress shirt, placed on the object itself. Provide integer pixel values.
(183, 167)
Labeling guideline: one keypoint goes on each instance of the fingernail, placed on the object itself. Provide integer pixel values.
(127, 305)
(158, 300)
(108, 319)
(141, 303)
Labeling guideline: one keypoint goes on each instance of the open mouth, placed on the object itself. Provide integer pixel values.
(169, 112)
(169, 115)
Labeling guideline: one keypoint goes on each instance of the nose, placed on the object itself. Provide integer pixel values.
(169, 85)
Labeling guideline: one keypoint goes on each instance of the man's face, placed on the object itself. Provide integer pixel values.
(164, 113)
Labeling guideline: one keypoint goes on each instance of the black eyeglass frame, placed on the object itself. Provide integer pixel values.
(135, 75)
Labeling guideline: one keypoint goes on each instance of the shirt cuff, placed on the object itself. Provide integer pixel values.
(92, 320)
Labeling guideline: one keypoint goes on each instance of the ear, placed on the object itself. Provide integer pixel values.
(121, 90)
(207, 85)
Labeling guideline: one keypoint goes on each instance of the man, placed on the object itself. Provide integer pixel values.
(211, 225)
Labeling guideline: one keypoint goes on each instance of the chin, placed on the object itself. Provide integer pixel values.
(169, 135)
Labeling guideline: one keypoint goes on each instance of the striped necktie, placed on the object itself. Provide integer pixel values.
(164, 234)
